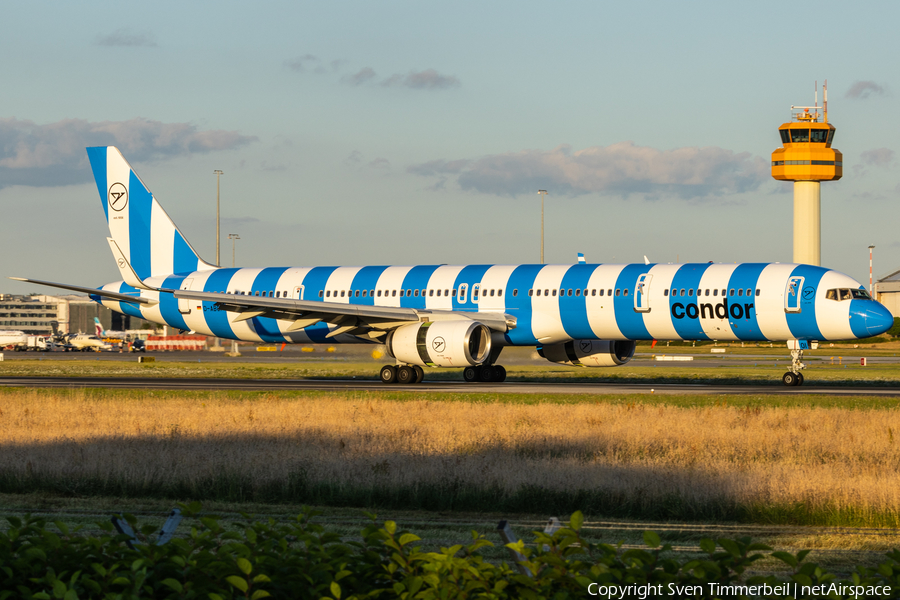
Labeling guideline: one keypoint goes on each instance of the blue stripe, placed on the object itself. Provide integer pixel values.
(629, 321)
(140, 203)
(267, 281)
(217, 320)
(687, 277)
(366, 279)
(745, 276)
(97, 158)
(168, 304)
(185, 260)
(803, 324)
(417, 279)
(313, 283)
(522, 278)
(573, 309)
(127, 307)
(470, 275)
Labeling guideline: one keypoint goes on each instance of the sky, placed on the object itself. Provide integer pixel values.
(355, 133)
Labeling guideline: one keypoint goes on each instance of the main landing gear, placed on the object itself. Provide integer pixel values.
(485, 373)
(405, 374)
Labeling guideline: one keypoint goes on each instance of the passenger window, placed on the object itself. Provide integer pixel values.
(409, 293)
(731, 292)
(691, 292)
(278, 294)
(499, 292)
(626, 292)
(416, 293)
(430, 292)
(617, 291)
(492, 292)
(706, 293)
(749, 292)
(715, 292)
(724, 293)
(594, 292)
(454, 293)
(531, 292)
(357, 293)
(447, 292)
(257, 293)
(515, 293)
(601, 292)
(439, 293)
(402, 294)
(371, 293)
(757, 291)
(539, 292)
(578, 292)
(393, 292)
(740, 292)
(666, 292)
(569, 292)
(682, 292)
(379, 293)
(609, 292)
(342, 293)
(547, 292)
(365, 293)
(320, 293)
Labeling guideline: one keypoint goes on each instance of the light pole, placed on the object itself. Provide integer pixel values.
(872, 247)
(233, 237)
(543, 194)
(218, 173)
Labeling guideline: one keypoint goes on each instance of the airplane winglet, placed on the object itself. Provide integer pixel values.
(581, 260)
(125, 268)
(646, 260)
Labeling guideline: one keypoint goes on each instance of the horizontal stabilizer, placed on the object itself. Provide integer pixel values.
(91, 291)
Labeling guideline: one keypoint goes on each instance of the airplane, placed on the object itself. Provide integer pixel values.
(107, 333)
(586, 315)
(13, 339)
(78, 341)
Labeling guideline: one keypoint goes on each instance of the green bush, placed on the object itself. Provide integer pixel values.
(300, 560)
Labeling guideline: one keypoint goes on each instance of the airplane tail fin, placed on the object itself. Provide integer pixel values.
(98, 328)
(140, 227)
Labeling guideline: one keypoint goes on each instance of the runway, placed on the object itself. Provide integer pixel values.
(456, 387)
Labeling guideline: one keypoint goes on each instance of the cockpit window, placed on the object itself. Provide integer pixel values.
(847, 294)
(799, 135)
(818, 136)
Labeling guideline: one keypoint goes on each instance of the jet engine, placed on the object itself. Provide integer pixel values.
(441, 343)
(589, 353)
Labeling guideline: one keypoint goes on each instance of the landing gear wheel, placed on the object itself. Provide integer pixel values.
(486, 375)
(406, 375)
(420, 373)
(388, 374)
(499, 374)
(470, 374)
(799, 379)
(789, 379)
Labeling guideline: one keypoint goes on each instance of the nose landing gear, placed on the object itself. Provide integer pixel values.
(794, 377)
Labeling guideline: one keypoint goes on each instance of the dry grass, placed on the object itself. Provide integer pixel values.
(812, 465)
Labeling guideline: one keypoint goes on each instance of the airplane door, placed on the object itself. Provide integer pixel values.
(642, 293)
(463, 289)
(792, 294)
(298, 293)
(184, 305)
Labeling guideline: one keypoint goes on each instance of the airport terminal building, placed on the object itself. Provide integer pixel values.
(74, 313)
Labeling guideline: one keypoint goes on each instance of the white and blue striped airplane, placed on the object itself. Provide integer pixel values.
(587, 315)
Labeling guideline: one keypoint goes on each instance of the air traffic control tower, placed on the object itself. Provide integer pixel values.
(807, 158)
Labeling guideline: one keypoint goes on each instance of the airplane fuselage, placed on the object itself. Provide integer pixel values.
(550, 303)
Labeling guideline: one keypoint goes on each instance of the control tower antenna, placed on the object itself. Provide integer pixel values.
(807, 158)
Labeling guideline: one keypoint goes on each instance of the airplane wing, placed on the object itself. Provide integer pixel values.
(353, 319)
(92, 291)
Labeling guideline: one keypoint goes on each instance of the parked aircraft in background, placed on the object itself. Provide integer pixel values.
(587, 315)
(12, 339)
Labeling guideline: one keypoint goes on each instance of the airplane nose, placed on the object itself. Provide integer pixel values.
(878, 319)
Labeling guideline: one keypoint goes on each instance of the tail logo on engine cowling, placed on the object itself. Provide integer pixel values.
(438, 344)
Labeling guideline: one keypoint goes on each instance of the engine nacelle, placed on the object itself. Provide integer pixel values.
(441, 343)
(589, 353)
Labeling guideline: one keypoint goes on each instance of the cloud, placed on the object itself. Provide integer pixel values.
(302, 63)
(879, 157)
(53, 154)
(353, 159)
(380, 163)
(360, 77)
(863, 89)
(127, 37)
(429, 79)
(622, 168)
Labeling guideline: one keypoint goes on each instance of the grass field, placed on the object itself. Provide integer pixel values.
(823, 461)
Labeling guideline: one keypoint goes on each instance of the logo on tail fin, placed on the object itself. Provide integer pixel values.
(118, 196)
(98, 328)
